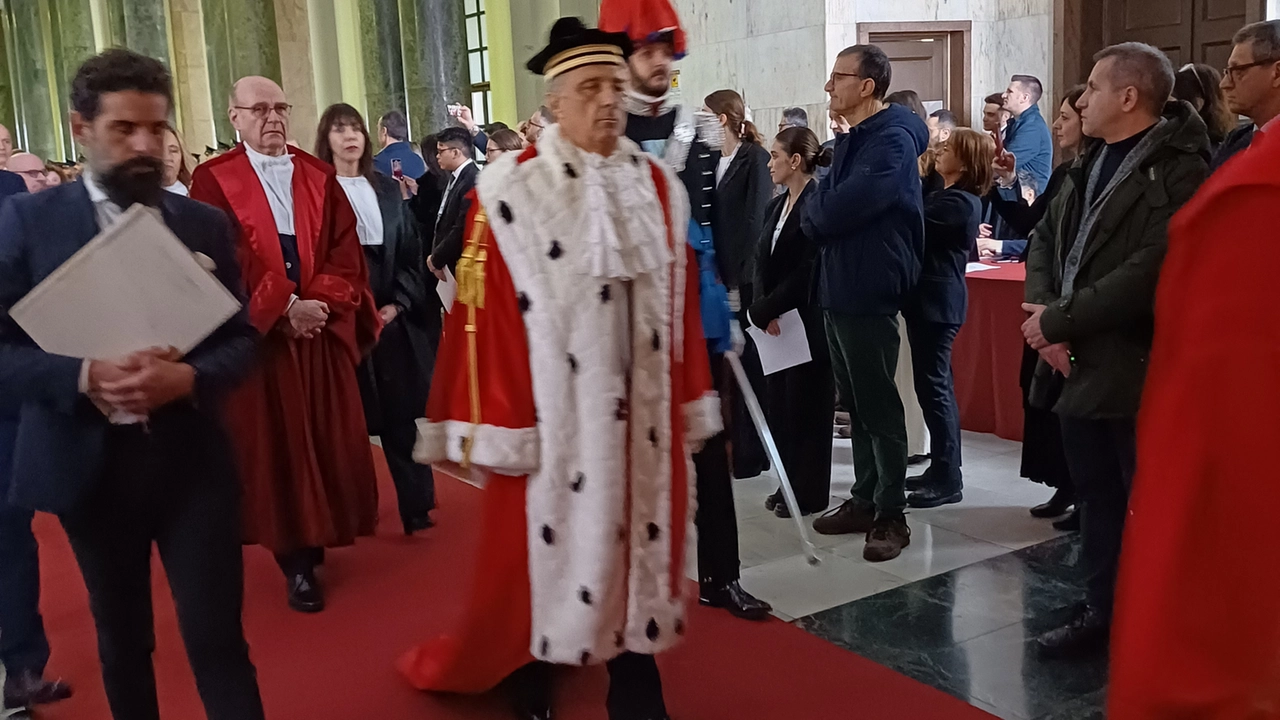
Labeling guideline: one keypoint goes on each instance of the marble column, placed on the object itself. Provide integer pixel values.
(293, 30)
(441, 61)
(240, 37)
(139, 25)
(71, 29)
(384, 71)
(190, 66)
(36, 123)
(7, 95)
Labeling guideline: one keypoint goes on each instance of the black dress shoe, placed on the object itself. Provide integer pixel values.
(933, 497)
(916, 483)
(774, 500)
(414, 524)
(305, 595)
(1070, 523)
(917, 459)
(1085, 636)
(1057, 506)
(26, 689)
(737, 601)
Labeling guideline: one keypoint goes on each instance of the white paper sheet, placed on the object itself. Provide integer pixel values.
(974, 267)
(787, 350)
(132, 287)
(447, 289)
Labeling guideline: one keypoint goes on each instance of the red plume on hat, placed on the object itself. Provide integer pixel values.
(646, 21)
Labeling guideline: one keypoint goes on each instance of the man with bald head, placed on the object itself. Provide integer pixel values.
(32, 171)
(298, 422)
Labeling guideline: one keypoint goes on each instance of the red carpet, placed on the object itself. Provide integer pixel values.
(388, 593)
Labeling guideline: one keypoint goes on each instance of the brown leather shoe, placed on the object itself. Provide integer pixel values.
(886, 540)
(851, 517)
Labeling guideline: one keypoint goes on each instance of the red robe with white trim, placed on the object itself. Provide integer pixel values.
(580, 424)
(1197, 629)
(297, 423)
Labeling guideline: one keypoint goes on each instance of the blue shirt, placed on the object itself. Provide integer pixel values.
(412, 165)
(1028, 138)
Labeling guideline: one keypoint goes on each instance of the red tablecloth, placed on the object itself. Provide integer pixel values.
(988, 353)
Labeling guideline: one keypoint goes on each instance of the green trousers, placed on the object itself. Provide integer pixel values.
(864, 356)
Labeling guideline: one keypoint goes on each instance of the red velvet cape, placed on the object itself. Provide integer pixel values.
(493, 639)
(1197, 633)
(297, 422)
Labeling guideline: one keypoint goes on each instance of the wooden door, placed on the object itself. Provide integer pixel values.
(1166, 24)
(1216, 22)
(919, 64)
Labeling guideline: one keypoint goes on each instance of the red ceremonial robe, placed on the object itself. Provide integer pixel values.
(485, 390)
(1197, 631)
(297, 422)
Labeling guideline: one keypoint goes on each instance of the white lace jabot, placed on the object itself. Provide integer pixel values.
(617, 212)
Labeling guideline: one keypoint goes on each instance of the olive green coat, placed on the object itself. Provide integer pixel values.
(1108, 320)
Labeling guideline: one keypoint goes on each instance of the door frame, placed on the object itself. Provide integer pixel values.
(957, 34)
(1077, 36)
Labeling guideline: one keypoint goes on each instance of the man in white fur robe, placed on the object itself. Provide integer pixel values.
(573, 381)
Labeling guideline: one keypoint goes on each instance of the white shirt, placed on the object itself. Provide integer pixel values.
(106, 211)
(276, 175)
(177, 188)
(365, 202)
(777, 231)
(453, 180)
(725, 162)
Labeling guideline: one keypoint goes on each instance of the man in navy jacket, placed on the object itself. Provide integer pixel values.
(118, 488)
(867, 218)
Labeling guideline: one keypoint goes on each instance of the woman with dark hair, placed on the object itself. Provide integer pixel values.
(1043, 459)
(425, 194)
(936, 309)
(395, 378)
(1201, 85)
(742, 194)
(909, 99)
(501, 142)
(800, 401)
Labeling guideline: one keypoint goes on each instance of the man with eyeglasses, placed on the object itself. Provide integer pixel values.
(453, 152)
(32, 171)
(298, 422)
(1251, 82)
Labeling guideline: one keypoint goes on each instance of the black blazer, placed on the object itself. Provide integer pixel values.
(447, 247)
(425, 205)
(398, 276)
(1236, 140)
(742, 197)
(58, 451)
(951, 219)
(784, 273)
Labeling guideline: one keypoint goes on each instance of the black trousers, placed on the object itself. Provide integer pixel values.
(749, 456)
(23, 643)
(936, 388)
(394, 378)
(635, 687)
(174, 485)
(800, 404)
(1043, 459)
(716, 518)
(1102, 455)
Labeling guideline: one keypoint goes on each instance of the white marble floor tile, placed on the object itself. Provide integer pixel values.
(933, 550)
(995, 517)
(796, 589)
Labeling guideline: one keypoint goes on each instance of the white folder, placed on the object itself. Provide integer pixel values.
(134, 286)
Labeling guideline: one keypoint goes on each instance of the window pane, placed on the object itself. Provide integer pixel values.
(481, 5)
(473, 33)
(479, 109)
(485, 55)
(488, 103)
(469, 7)
(477, 73)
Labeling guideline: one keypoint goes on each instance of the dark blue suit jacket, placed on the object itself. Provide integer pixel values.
(11, 184)
(951, 218)
(58, 451)
(412, 165)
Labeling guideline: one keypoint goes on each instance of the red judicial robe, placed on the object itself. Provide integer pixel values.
(588, 492)
(297, 422)
(1197, 632)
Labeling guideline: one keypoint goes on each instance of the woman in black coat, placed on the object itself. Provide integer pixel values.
(1043, 459)
(937, 307)
(799, 401)
(396, 377)
(743, 191)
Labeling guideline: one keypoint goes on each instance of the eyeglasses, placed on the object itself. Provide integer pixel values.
(1233, 71)
(442, 150)
(835, 75)
(262, 110)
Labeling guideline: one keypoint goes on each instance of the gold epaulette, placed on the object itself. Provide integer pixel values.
(471, 264)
